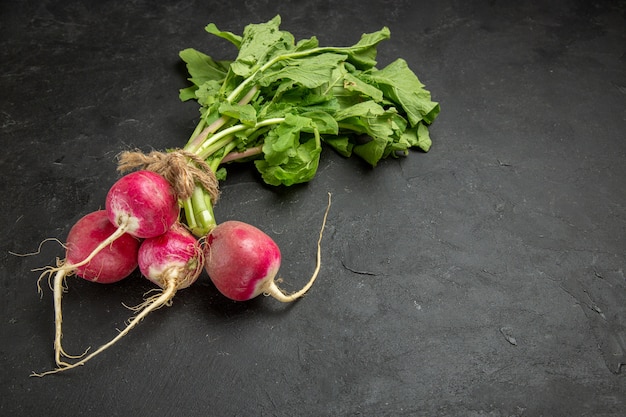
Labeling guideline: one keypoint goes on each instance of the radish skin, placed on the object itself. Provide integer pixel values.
(109, 266)
(112, 263)
(173, 261)
(173, 257)
(242, 261)
(143, 203)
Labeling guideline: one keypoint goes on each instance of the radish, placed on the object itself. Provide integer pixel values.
(112, 262)
(173, 261)
(242, 261)
(269, 110)
(142, 204)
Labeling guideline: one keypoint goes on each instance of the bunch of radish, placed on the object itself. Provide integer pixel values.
(276, 104)
(140, 227)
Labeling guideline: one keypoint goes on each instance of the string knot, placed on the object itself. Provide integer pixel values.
(184, 170)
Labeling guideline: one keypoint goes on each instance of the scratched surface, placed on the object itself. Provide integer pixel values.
(484, 278)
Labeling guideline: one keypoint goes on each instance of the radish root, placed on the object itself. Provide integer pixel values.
(60, 272)
(38, 251)
(155, 302)
(170, 280)
(274, 291)
(58, 286)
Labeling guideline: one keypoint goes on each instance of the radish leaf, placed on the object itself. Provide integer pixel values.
(279, 101)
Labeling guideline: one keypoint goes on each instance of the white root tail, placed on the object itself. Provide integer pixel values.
(58, 288)
(61, 271)
(275, 292)
(149, 305)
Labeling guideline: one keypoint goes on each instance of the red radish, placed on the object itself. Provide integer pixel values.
(110, 265)
(143, 203)
(173, 261)
(242, 261)
(113, 262)
(174, 258)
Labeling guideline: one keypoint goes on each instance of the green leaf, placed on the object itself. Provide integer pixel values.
(299, 95)
(291, 156)
(400, 84)
(363, 53)
(220, 174)
(306, 44)
(202, 69)
(281, 142)
(361, 88)
(300, 167)
(208, 93)
(372, 151)
(364, 109)
(188, 93)
(246, 113)
(229, 36)
(324, 123)
(309, 71)
(341, 144)
(260, 43)
(418, 137)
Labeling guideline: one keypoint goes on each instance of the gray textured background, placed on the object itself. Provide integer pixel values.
(484, 278)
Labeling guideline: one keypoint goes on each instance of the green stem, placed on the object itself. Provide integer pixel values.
(199, 212)
(198, 208)
(201, 133)
(223, 137)
(234, 156)
(204, 150)
(198, 128)
(216, 146)
(216, 162)
(208, 140)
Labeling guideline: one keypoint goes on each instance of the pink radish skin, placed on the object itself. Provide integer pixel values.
(174, 256)
(173, 260)
(241, 260)
(113, 263)
(144, 203)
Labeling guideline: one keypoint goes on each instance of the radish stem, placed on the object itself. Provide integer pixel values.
(199, 207)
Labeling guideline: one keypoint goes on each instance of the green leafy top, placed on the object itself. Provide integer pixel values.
(280, 100)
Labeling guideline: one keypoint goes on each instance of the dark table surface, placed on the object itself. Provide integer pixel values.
(484, 278)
